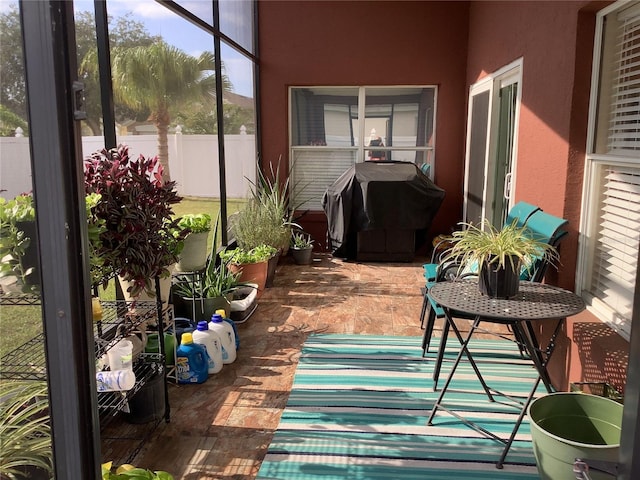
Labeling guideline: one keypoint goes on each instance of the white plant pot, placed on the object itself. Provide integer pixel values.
(242, 309)
(193, 257)
(165, 288)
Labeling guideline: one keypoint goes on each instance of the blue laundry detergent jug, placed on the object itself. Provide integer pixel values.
(233, 325)
(192, 363)
(183, 325)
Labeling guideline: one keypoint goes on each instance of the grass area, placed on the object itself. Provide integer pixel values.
(19, 324)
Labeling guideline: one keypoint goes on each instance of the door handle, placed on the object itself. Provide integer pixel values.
(507, 186)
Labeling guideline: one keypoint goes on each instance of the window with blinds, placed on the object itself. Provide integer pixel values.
(612, 221)
(332, 128)
(624, 127)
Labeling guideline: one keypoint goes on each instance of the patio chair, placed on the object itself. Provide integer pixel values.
(545, 228)
(435, 271)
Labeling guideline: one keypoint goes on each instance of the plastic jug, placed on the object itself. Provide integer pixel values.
(212, 343)
(182, 325)
(115, 380)
(121, 355)
(227, 337)
(153, 346)
(191, 361)
(233, 325)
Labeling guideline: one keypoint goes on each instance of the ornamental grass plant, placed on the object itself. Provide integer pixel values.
(474, 245)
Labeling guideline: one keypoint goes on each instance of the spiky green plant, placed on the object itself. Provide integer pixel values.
(301, 240)
(25, 430)
(511, 244)
(257, 224)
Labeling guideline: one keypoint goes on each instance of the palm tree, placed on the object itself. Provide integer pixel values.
(163, 79)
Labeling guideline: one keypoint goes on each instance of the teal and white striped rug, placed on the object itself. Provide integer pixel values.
(359, 406)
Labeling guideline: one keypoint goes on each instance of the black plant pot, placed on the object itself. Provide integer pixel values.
(302, 256)
(148, 403)
(271, 270)
(497, 282)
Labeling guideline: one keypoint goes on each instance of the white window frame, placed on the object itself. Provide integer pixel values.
(594, 163)
(300, 181)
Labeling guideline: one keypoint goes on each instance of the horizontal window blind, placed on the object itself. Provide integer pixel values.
(613, 240)
(314, 171)
(617, 242)
(624, 127)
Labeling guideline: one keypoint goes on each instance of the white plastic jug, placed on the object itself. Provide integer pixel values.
(212, 343)
(227, 337)
(115, 380)
(121, 355)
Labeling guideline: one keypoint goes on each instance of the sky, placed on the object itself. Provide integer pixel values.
(176, 31)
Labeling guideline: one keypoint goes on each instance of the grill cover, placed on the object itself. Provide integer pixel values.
(379, 196)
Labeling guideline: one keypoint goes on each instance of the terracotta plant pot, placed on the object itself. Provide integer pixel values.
(252, 273)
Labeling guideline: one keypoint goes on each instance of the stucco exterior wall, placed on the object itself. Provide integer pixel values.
(368, 43)
(453, 45)
(555, 41)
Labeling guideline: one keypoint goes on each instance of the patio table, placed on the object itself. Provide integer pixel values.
(535, 302)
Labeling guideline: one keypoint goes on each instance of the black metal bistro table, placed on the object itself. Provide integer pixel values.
(535, 302)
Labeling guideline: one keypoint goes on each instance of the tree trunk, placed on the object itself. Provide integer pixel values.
(161, 121)
(94, 126)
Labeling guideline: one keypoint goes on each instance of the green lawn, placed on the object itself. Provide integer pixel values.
(19, 324)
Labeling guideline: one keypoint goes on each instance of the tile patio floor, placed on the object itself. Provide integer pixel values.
(222, 428)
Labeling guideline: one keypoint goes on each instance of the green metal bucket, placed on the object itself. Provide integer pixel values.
(566, 426)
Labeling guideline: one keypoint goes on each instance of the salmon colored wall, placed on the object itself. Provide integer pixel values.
(453, 45)
(557, 51)
(502, 32)
(367, 43)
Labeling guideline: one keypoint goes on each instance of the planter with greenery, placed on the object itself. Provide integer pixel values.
(25, 430)
(273, 198)
(202, 295)
(141, 239)
(99, 273)
(498, 256)
(18, 245)
(129, 472)
(193, 256)
(301, 248)
(252, 264)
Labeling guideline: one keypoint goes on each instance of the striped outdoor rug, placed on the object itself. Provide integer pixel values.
(359, 406)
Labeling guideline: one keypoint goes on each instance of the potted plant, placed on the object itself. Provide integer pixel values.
(126, 472)
(257, 224)
(274, 199)
(18, 245)
(193, 256)
(210, 291)
(141, 239)
(268, 217)
(25, 430)
(252, 264)
(301, 248)
(497, 256)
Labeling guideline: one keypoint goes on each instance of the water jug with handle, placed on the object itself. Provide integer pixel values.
(227, 337)
(233, 325)
(212, 343)
(191, 361)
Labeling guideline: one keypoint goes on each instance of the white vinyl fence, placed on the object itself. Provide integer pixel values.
(193, 162)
